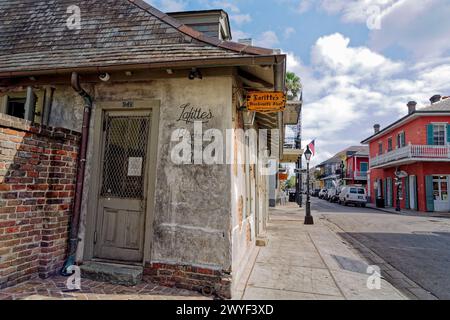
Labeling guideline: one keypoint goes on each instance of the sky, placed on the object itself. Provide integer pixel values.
(360, 61)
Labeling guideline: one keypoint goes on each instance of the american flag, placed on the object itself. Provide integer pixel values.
(312, 147)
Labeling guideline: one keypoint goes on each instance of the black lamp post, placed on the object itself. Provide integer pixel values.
(308, 218)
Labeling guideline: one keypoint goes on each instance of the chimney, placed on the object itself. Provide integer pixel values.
(412, 107)
(247, 41)
(376, 128)
(435, 98)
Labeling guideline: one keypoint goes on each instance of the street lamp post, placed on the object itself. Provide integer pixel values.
(308, 218)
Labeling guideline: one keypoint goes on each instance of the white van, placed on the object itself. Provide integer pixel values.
(353, 195)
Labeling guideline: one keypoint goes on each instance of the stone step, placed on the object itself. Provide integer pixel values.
(112, 273)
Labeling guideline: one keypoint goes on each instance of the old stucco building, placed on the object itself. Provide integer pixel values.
(132, 75)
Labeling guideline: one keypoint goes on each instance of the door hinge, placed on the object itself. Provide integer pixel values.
(95, 237)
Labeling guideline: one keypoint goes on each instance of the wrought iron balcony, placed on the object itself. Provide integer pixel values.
(290, 143)
(410, 154)
(291, 152)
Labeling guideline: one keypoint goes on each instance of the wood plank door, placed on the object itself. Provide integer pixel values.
(119, 234)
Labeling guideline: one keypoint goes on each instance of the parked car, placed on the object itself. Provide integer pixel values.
(322, 193)
(333, 195)
(315, 192)
(353, 195)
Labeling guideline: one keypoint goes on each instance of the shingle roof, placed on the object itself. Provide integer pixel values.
(443, 105)
(34, 36)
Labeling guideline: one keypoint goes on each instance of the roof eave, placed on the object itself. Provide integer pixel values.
(205, 63)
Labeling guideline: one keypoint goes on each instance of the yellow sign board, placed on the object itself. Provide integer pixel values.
(269, 101)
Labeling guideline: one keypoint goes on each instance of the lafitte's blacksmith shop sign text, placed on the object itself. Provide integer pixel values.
(266, 101)
(191, 114)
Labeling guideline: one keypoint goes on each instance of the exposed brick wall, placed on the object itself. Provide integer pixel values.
(190, 278)
(37, 185)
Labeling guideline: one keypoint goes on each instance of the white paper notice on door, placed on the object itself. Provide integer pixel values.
(135, 167)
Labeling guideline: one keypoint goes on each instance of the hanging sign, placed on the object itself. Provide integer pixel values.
(270, 101)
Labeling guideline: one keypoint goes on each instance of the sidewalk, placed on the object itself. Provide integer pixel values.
(410, 213)
(310, 263)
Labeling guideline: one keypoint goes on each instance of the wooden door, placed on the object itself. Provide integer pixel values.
(119, 234)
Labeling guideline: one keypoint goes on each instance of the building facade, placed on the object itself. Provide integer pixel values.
(100, 155)
(410, 159)
(334, 171)
(357, 168)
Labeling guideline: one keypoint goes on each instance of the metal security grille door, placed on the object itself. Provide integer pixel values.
(123, 187)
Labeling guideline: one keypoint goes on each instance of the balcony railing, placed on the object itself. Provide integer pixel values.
(290, 143)
(416, 152)
(357, 175)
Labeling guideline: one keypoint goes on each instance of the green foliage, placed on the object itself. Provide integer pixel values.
(293, 85)
(290, 184)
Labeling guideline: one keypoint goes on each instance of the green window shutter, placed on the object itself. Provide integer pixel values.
(406, 184)
(403, 139)
(414, 195)
(429, 193)
(385, 192)
(430, 140)
(389, 186)
(448, 133)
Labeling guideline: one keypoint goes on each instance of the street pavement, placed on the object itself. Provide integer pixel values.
(310, 263)
(418, 248)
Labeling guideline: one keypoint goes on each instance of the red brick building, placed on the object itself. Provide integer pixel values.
(419, 145)
(357, 168)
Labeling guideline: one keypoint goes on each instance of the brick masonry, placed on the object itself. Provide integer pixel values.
(203, 280)
(37, 185)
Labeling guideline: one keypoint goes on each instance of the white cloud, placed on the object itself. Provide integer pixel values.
(305, 5)
(333, 52)
(288, 32)
(420, 27)
(268, 39)
(348, 89)
(241, 18)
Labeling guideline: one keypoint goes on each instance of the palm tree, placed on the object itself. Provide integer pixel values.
(293, 85)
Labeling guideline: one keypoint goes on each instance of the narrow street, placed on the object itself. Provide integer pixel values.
(418, 247)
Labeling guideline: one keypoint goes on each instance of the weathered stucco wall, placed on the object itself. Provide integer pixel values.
(67, 109)
(243, 203)
(192, 202)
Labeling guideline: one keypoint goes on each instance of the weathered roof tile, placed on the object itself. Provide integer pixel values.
(34, 36)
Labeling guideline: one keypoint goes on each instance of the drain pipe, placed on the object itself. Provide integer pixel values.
(280, 85)
(75, 221)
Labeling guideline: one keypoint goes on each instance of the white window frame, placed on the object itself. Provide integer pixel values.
(445, 124)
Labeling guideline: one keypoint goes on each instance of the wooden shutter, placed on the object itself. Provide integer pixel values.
(448, 133)
(385, 194)
(406, 184)
(414, 195)
(390, 192)
(403, 139)
(430, 140)
(30, 105)
(429, 193)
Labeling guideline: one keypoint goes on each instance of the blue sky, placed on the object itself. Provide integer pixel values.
(360, 61)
